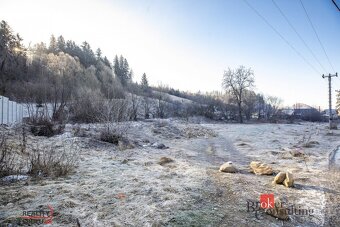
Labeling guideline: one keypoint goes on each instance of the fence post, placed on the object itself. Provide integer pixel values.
(2, 109)
(21, 112)
(16, 111)
(12, 111)
(8, 111)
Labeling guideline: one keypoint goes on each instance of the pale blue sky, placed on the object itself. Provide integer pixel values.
(187, 44)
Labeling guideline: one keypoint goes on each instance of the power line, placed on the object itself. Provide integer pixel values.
(316, 34)
(336, 5)
(291, 25)
(281, 36)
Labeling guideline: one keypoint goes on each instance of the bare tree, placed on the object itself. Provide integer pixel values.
(134, 105)
(273, 105)
(146, 104)
(160, 106)
(249, 103)
(112, 112)
(237, 82)
(260, 106)
(65, 69)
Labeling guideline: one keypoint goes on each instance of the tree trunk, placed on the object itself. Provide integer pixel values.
(240, 113)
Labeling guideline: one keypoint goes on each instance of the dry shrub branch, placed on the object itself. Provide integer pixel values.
(51, 162)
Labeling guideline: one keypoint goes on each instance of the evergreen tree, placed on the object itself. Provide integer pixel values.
(88, 58)
(73, 49)
(12, 56)
(99, 54)
(61, 45)
(144, 82)
(116, 67)
(8, 41)
(126, 70)
(6, 35)
(70, 47)
(107, 62)
(122, 70)
(130, 76)
(53, 45)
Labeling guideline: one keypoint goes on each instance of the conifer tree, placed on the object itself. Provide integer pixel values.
(53, 45)
(144, 81)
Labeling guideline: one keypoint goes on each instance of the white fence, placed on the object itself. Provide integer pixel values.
(11, 112)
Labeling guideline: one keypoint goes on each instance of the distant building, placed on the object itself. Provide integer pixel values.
(325, 114)
(302, 111)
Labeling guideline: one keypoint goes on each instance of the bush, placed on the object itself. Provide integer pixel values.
(110, 137)
(313, 116)
(50, 162)
(45, 127)
(7, 159)
(40, 123)
(86, 105)
(113, 133)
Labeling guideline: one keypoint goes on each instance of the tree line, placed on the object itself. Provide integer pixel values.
(80, 84)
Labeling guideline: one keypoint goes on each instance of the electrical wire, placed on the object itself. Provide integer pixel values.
(336, 5)
(298, 34)
(281, 36)
(317, 36)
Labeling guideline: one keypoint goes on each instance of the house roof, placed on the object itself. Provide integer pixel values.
(302, 106)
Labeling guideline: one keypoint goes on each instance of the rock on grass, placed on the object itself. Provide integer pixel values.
(285, 178)
(260, 168)
(279, 178)
(165, 160)
(289, 181)
(228, 167)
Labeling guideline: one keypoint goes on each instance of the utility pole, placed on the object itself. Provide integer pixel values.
(330, 97)
(337, 102)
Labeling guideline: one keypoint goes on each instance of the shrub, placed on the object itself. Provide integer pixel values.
(86, 105)
(51, 162)
(45, 127)
(7, 159)
(113, 133)
(40, 123)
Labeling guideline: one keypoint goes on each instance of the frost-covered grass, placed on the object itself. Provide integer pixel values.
(113, 187)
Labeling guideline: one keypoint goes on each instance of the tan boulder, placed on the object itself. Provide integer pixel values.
(254, 164)
(260, 168)
(228, 167)
(279, 178)
(289, 181)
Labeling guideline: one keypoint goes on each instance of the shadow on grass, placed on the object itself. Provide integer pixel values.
(316, 188)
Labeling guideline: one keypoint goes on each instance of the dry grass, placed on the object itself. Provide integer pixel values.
(307, 142)
(51, 162)
(114, 133)
(7, 159)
